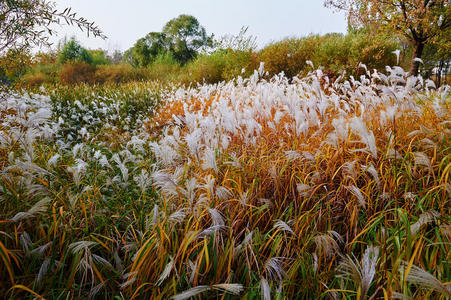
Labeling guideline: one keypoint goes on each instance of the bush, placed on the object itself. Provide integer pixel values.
(31, 80)
(77, 72)
(118, 74)
(164, 68)
(237, 61)
(98, 57)
(206, 68)
(289, 55)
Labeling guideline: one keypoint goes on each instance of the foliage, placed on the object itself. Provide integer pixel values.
(420, 21)
(120, 73)
(182, 38)
(146, 49)
(252, 188)
(334, 52)
(14, 64)
(186, 37)
(99, 57)
(28, 23)
(77, 72)
(72, 51)
(289, 55)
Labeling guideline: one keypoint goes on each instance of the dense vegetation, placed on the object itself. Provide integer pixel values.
(313, 188)
(189, 167)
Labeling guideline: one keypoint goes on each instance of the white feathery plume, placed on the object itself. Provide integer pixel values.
(424, 219)
(231, 288)
(424, 279)
(397, 52)
(166, 272)
(358, 194)
(265, 289)
(360, 272)
(282, 226)
(216, 217)
(177, 216)
(79, 246)
(366, 136)
(39, 208)
(53, 160)
(421, 159)
(274, 268)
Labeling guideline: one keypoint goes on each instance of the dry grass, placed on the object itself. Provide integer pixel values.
(252, 188)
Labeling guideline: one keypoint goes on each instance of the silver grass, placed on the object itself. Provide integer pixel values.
(216, 217)
(79, 246)
(177, 216)
(366, 136)
(43, 270)
(166, 272)
(326, 244)
(397, 295)
(101, 261)
(231, 288)
(421, 159)
(361, 272)
(209, 160)
(424, 219)
(39, 208)
(282, 226)
(303, 189)
(53, 160)
(39, 251)
(372, 170)
(265, 289)
(425, 279)
(358, 194)
(246, 241)
(223, 193)
(292, 155)
(274, 268)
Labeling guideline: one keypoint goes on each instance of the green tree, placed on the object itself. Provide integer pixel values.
(420, 21)
(146, 49)
(72, 51)
(185, 37)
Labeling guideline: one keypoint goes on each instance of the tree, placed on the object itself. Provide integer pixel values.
(146, 49)
(28, 23)
(420, 21)
(186, 37)
(72, 51)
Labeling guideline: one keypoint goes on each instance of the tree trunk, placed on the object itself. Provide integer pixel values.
(417, 52)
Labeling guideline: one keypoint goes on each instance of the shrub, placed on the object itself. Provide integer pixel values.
(98, 57)
(118, 74)
(289, 55)
(237, 61)
(206, 68)
(77, 72)
(34, 79)
(164, 68)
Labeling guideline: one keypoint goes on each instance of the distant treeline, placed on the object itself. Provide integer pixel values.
(184, 53)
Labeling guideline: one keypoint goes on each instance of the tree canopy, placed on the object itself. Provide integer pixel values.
(185, 37)
(420, 21)
(28, 23)
(182, 37)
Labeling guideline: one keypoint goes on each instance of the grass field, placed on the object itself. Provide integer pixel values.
(248, 189)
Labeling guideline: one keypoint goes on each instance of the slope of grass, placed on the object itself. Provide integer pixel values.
(246, 189)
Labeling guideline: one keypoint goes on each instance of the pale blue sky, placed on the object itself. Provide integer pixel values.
(126, 21)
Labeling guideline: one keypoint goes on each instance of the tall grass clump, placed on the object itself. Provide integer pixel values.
(251, 188)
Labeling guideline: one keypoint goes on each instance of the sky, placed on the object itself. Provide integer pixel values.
(125, 21)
